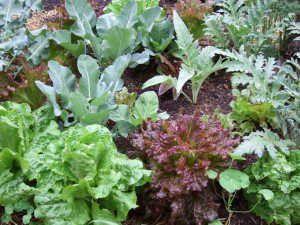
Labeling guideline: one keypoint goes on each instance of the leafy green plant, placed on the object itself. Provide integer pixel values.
(180, 152)
(197, 65)
(274, 184)
(93, 100)
(121, 34)
(116, 6)
(69, 177)
(192, 13)
(268, 83)
(261, 26)
(258, 142)
(15, 40)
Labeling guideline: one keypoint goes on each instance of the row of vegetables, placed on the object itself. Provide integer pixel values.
(58, 161)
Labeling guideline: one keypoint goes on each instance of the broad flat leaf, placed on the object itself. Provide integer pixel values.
(79, 105)
(124, 127)
(9, 136)
(105, 22)
(157, 80)
(10, 8)
(268, 194)
(118, 41)
(139, 58)
(85, 18)
(95, 118)
(120, 201)
(112, 74)
(149, 17)
(63, 80)
(216, 222)
(128, 16)
(56, 211)
(146, 106)
(211, 174)
(63, 38)
(236, 157)
(258, 142)
(38, 50)
(51, 95)
(121, 113)
(233, 180)
(90, 71)
(184, 75)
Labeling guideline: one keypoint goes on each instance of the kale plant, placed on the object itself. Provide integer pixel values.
(114, 35)
(15, 39)
(180, 152)
(63, 177)
(93, 100)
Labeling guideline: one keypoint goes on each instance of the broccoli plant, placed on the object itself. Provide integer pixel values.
(180, 152)
(93, 100)
(123, 33)
(197, 65)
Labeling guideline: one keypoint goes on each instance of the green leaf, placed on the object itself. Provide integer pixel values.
(211, 174)
(95, 118)
(216, 222)
(85, 18)
(184, 75)
(118, 41)
(9, 135)
(105, 22)
(51, 95)
(38, 51)
(149, 17)
(233, 180)
(63, 80)
(258, 142)
(236, 157)
(11, 8)
(157, 80)
(79, 105)
(122, 202)
(146, 106)
(89, 69)
(121, 113)
(63, 38)
(128, 16)
(268, 194)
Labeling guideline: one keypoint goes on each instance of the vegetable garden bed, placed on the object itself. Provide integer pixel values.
(149, 112)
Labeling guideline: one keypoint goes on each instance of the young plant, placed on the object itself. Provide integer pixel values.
(197, 65)
(268, 83)
(261, 26)
(93, 101)
(180, 152)
(15, 40)
(72, 177)
(231, 181)
(122, 33)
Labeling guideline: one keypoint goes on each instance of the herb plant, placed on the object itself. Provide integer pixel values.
(69, 177)
(197, 65)
(180, 152)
